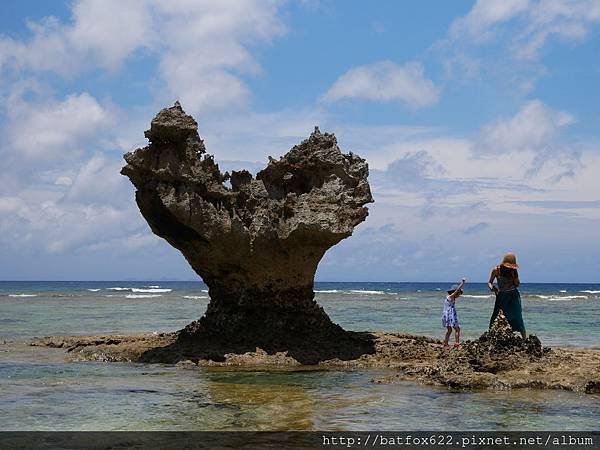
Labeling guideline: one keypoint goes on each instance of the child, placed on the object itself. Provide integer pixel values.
(449, 317)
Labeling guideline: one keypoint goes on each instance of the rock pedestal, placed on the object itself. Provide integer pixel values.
(257, 242)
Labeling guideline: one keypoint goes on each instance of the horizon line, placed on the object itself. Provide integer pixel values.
(316, 281)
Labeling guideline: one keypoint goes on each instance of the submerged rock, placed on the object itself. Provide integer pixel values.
(257, 243)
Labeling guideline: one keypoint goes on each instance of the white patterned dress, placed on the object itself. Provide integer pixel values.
(449, 316)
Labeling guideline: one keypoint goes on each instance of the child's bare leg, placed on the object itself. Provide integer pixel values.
(448, 333)
(457, 334)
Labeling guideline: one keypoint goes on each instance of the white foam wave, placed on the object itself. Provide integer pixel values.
(204, 290)
(563, 291)
(590, 292)
(142, 295)
(22, 295)
(194, 297)
(358, 291)
(119, 289)
(150, 290)
(561, 297)
(476, 296)
(154, 287)
(328, 291)
(94, 290)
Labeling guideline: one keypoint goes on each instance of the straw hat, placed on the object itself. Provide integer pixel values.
(510, 261)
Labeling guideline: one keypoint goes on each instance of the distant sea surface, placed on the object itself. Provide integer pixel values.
(38, 391)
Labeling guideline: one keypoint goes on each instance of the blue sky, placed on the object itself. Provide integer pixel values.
(479, 121)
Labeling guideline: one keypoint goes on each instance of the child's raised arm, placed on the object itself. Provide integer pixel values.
(458, 289)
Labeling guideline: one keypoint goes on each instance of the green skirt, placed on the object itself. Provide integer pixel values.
(509, 302)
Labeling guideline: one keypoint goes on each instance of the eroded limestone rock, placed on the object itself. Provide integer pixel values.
(257, 244)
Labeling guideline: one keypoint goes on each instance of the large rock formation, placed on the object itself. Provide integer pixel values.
(257, 243)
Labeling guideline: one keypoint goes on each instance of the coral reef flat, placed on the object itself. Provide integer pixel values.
(496, 360)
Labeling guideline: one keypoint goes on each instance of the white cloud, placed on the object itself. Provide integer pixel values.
(92, 208)
(54, 130)
(64, 192)
(108, 31)
(63, 181)
(386, 81)
(532, 128)
(479, 22)
(102, 34)
(205, 47)
(202, 46)
(535, 22)
(533, 132)
(568, 20)
(99, 181)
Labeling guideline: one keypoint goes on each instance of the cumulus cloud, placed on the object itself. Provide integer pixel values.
(99, 180)
(533, 127)
(63, 192)
(206, 45)
(101, 34)
(536, 22)
(54, 129)
(202, 46)
(533, 130)
(568, 20)
(386, 81)
(93, 208)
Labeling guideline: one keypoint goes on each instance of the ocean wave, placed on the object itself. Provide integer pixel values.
(153, 287)
(119, 289)
(563, 291)
(194, 297)
(150, 290)
(22, 295)
(142, 295)
(590, 292)
(560, 297)
(358, 291)
(328, 291)
(476, 296)
(94, 290)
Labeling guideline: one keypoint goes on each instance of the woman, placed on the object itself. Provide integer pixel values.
(508, 298)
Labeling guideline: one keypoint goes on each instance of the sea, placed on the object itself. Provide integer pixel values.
(39, 390)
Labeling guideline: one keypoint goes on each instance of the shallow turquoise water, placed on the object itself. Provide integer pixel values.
(40, 392)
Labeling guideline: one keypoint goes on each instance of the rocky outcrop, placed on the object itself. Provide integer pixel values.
(496, 351)
(257, 242)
